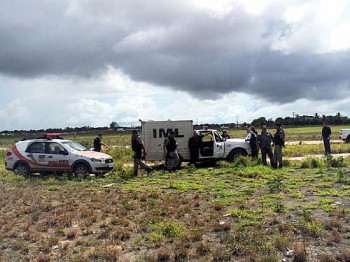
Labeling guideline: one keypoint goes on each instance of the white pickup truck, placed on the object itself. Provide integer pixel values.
(214, 147)
(345, 135)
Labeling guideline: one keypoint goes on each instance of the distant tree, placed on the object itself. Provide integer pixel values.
(279, 120)
(337, 119)
(114, 125)
(259, 122)
(288, 121)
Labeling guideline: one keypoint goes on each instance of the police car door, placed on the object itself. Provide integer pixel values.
(58, 158)
(36, 156)
(219, 147)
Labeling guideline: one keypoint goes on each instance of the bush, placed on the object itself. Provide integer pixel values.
(335, 162)
(312, 162)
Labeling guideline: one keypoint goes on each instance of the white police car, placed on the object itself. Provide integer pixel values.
(55, 155)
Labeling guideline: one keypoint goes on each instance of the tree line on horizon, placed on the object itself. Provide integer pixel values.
(296, 120)
(304, 120)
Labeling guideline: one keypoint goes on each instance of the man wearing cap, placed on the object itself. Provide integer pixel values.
(139, 152)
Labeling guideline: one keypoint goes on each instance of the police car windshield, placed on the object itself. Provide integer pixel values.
(74, 146)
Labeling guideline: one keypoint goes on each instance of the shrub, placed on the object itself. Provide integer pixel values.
(335, 162)
(242, 161)
(165, 230)
(276, 185)
(312, 162)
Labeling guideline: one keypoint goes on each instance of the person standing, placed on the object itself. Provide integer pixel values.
(194, 144)
(139, 152)
(253, 143)
(326, 137)
(278, 141)
(265, 139)
(170, 152)
(98, 143)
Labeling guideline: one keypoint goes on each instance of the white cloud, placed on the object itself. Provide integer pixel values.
(75, 63)
(315, 26)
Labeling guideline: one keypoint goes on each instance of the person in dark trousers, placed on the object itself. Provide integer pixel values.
(253, 143)
(139, 152)
(170, 152)
(194, 144)
(265, 139)
(98, 143)
(278, 141)
(326, 137)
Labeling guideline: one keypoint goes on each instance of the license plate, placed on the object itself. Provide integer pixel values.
(110, 164)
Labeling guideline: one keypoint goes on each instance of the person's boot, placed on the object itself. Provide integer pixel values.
(135, 173)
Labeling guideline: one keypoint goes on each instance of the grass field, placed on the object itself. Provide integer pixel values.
(240, 211)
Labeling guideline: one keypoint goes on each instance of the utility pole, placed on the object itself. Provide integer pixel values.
(293, 118)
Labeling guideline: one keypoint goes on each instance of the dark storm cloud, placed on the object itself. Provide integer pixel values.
(285, 78)
(163, 43)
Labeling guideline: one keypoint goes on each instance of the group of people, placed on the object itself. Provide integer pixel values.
(264, 141)
(170, 152)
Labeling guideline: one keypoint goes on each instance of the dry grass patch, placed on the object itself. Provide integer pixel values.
(226, 213)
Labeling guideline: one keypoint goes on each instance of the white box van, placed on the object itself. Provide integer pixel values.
(214, 147)
(155, 132)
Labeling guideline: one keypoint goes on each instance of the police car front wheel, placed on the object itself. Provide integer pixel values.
(81, 170)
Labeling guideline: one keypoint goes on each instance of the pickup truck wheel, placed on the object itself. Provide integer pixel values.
(22, 169)
(347, 140)
(81, 170)
(235, 153)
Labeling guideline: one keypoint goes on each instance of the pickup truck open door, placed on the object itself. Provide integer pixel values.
(213, 145)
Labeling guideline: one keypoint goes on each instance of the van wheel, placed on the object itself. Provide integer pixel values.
(236, 153)
(22, 169)
(81, 170)
(348, 139)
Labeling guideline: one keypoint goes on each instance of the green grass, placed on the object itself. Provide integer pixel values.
(240, 211)
(245, 211)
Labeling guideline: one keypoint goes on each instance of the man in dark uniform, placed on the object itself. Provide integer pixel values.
(139, 152)
(194, 144)
(326, 137)
(265, 139)
(278, 141)
(98, 143)
(170, 152)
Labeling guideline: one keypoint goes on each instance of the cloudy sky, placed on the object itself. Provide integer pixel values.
(87, 62)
